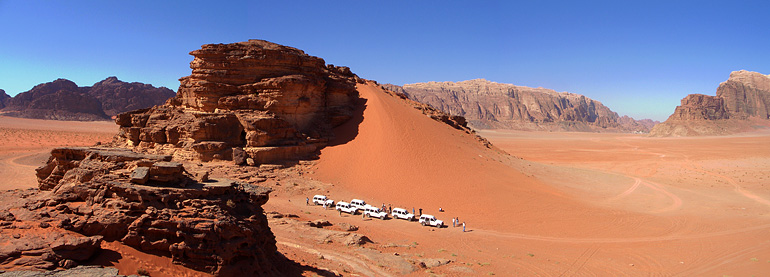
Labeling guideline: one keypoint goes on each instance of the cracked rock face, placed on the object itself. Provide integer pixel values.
(144, 201)
(252, 102)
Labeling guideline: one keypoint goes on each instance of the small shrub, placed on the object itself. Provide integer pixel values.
(530, 254)
(142, 272)
(230, 203)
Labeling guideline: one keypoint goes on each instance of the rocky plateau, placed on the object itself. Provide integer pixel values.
(742, 103)
(491, 105)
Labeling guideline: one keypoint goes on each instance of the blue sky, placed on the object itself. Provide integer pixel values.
(637, 57)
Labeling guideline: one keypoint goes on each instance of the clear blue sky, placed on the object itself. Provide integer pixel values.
(637, 57)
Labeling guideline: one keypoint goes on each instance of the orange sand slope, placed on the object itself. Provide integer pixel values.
(402, 157)
(25, 144)
(623, 212)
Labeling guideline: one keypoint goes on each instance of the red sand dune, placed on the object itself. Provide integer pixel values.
(589, 205)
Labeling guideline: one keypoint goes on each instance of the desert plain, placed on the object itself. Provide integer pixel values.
(535, 203)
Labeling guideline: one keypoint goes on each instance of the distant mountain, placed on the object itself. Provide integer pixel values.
(742, 103)
(3, 98)
(487, 104)
(62, 99)
(118, 97)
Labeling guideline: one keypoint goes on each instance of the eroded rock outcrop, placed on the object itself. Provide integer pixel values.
(488, 104)
(144, 201)
(251, 102)
(741, 103)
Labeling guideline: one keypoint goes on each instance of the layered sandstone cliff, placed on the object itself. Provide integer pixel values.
(488, 104)
(62, 99)
(251, 102)
(741, 103)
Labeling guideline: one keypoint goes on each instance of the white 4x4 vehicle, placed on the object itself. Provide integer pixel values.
(319, 199)
(402, 214)
(358, 203)
(429, 220)
(372, 211)
(345, 207)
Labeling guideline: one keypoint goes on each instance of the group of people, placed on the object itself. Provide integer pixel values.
(456, 222)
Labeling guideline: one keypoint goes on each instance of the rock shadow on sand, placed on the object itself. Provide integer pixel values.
(348, 131)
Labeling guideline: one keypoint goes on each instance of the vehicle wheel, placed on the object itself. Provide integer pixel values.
(423, 224)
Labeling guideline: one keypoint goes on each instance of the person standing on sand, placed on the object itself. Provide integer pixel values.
(340, 210)
(454, 222)
(307, 201)
(463, 227)
(420, 211)
(412, 210)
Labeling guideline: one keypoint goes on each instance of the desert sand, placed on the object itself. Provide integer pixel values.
(567, 203)
(571, 204)
(25, 144)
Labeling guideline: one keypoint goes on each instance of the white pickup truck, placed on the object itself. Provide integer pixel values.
(429, 220)
(402, 214)
(345, 207)
(372, 211)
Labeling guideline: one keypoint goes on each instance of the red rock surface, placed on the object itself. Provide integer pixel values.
(253, 102)
(491, 105)
(741, 104)
(89, 194)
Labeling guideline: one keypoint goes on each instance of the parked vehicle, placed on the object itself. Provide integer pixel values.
(402, 214)
(329, 203)
(319, 199)
(372, 211)
(345, 207)
(429, 220)
(358, 203)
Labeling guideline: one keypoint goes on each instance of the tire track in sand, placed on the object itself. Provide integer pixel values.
(740, 190)
(355, 263)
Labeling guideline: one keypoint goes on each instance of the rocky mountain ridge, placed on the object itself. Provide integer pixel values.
(487, 104)
(62, 99)
(741, 104)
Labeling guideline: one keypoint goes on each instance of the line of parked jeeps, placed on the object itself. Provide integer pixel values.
(356, 205)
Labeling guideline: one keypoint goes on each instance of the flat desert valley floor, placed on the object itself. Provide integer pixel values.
(561, 204)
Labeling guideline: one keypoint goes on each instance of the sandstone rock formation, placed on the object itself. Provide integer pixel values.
(252, 102)
(494, 105)
(64, 100)
(741, 102)
(144, 201)
(4, 98)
